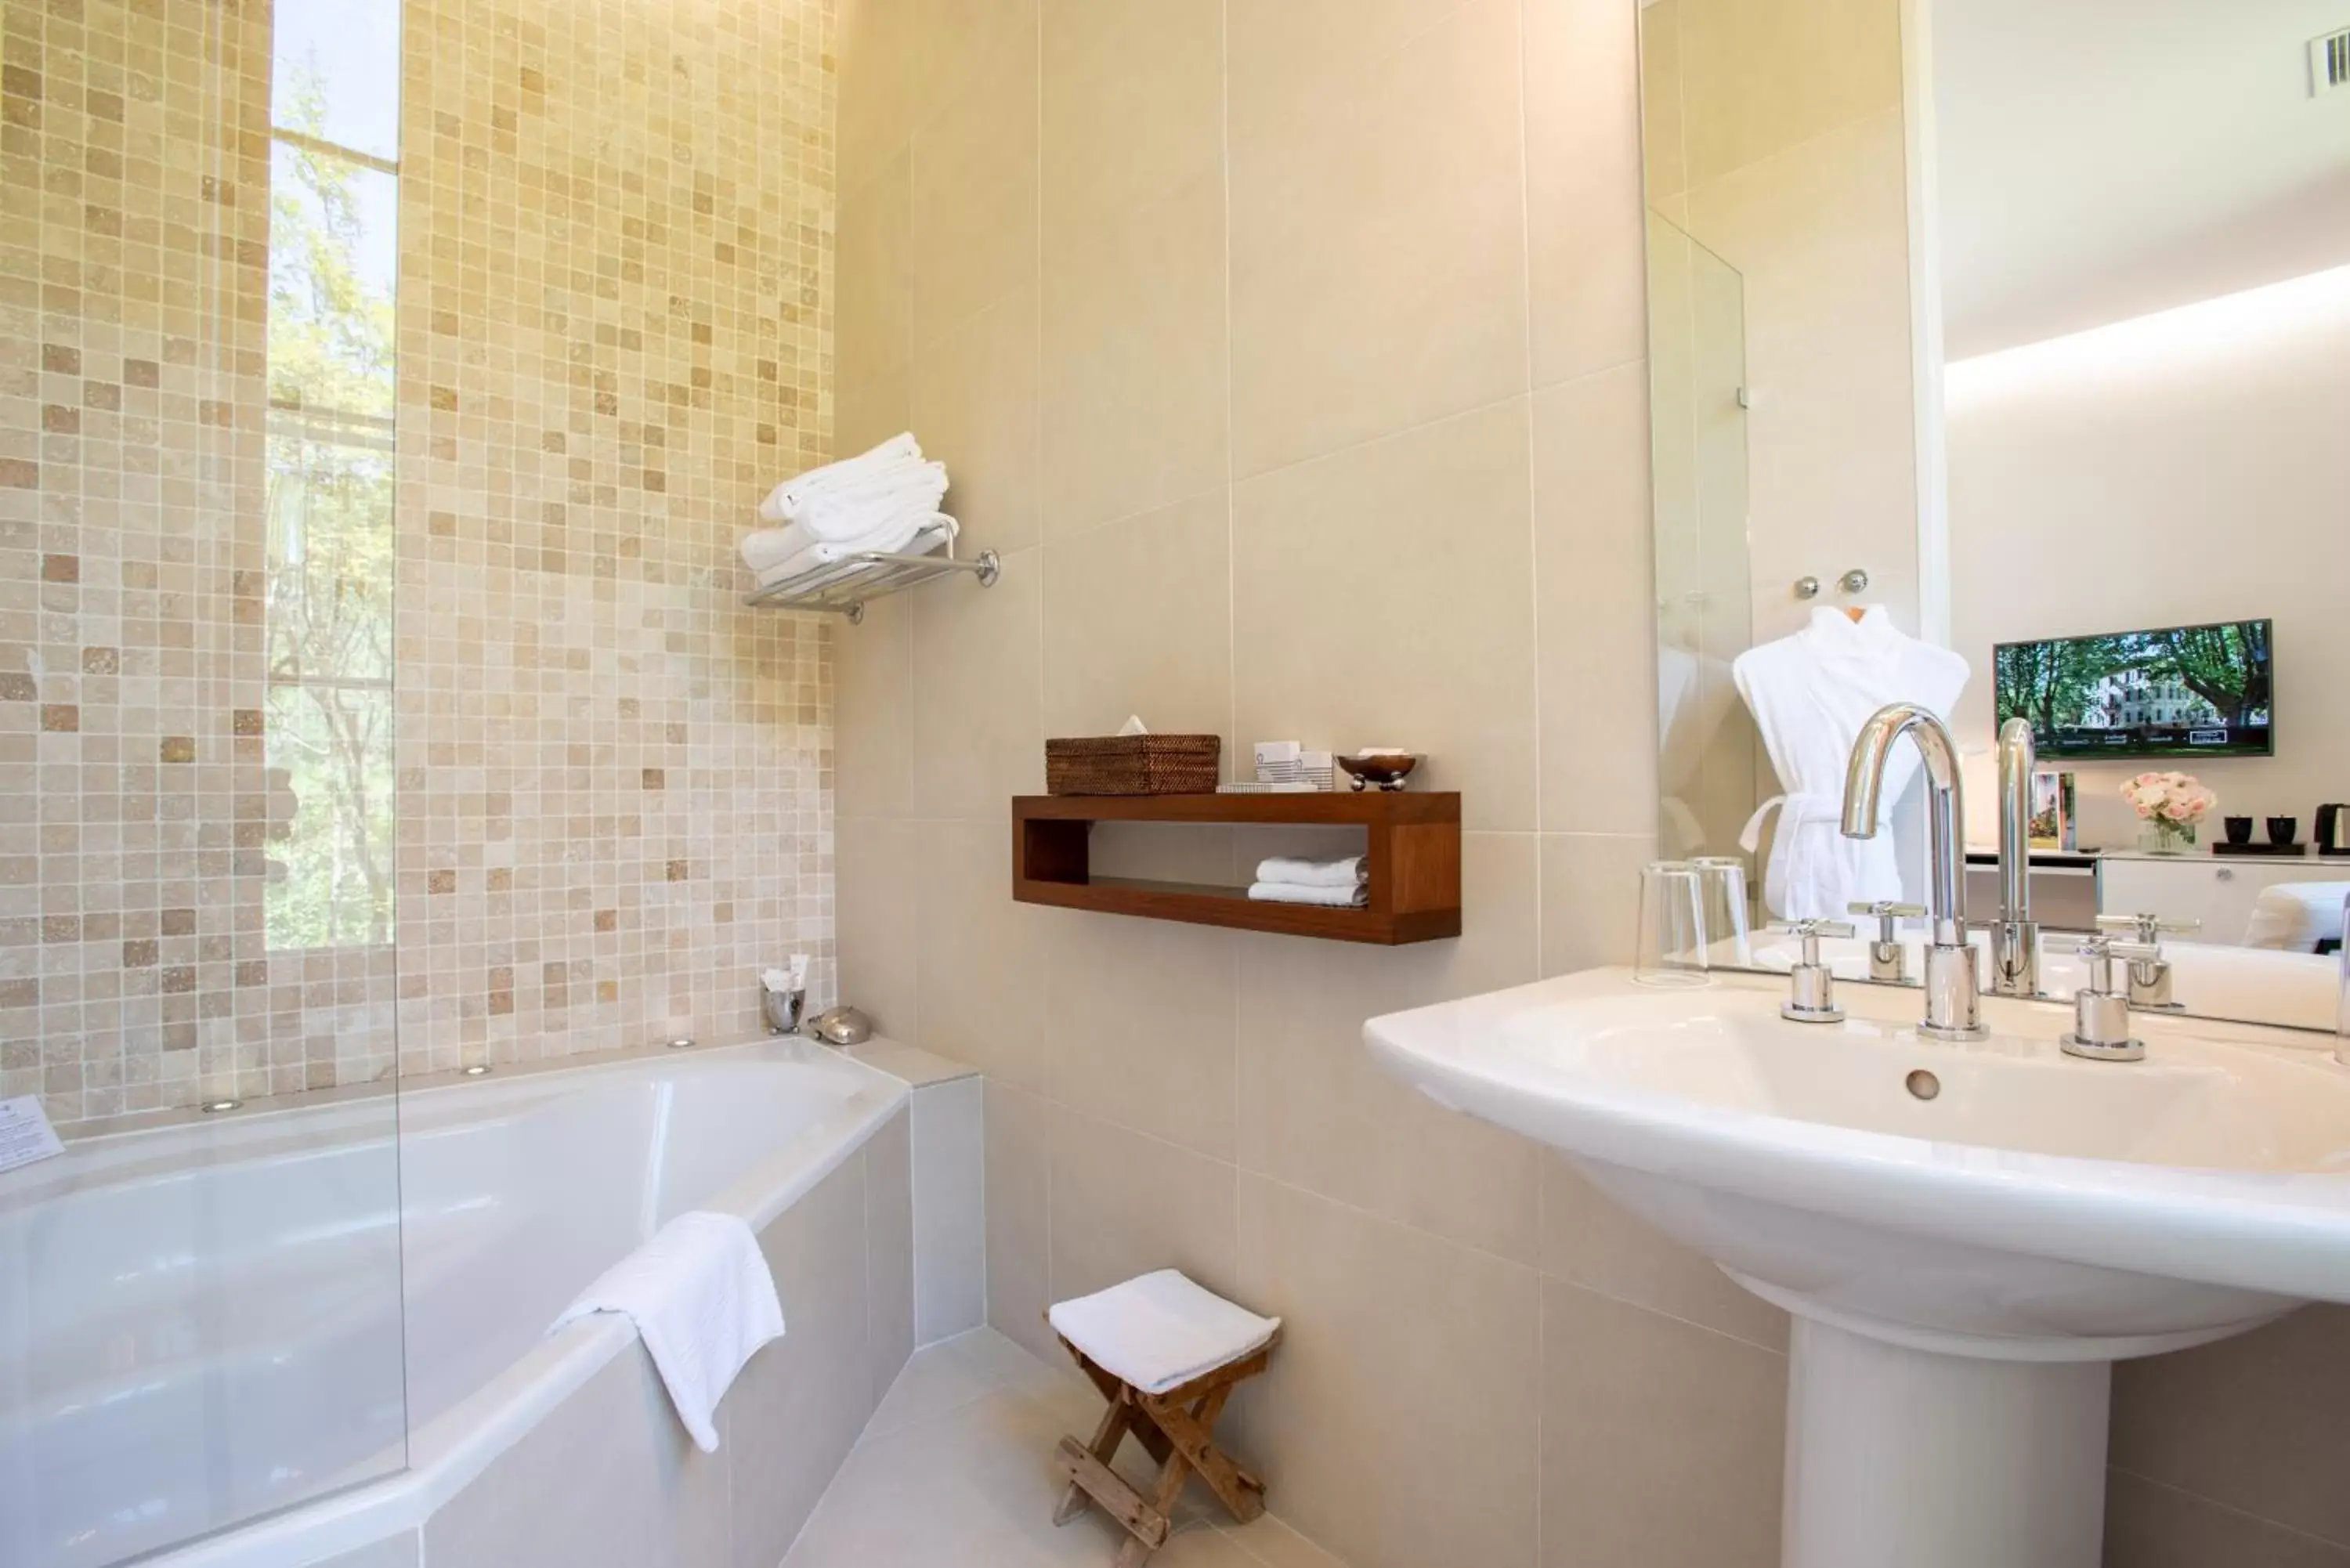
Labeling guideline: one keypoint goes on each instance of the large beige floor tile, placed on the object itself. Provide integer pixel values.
(2148, 1525)
(974, 162)
(2254, 1424)
(1138, 619)
(1019, 1177)
(1125, 1204)
(1379, 244)
(1589, 1240)
(1661, 1442)
(1382, 597)
(1596, 604)
(1381, 1320)
(1140, 1012)
(974, 402)
(980, 962)
(1583, 187)
(977, 736)
(877, 878)
(1316, 1112)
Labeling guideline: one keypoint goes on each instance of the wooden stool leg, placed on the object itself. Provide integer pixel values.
(1171, 1477)
(1103, 1447)
(1190, 1432)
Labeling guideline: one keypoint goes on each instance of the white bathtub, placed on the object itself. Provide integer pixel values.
(202, 1323)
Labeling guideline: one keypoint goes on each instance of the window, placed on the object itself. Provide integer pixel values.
(333, 272)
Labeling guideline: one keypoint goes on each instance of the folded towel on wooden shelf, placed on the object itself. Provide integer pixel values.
(784, 501)
(1297, 873)
(1354, 897)
(924, 535)
(704, 1302)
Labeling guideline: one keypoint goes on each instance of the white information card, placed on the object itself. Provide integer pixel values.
(25, 1135)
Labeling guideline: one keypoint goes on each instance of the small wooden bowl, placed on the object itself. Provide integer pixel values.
(1380, 770)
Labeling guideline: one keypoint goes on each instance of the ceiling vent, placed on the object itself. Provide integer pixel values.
(2329, 63)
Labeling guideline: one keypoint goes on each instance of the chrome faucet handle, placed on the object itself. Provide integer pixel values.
(2149, 977)
(1888, 962)
(2101, 1009)
(2151, 928)
(1811, 986)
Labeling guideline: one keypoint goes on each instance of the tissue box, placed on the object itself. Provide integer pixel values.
(1133, 765)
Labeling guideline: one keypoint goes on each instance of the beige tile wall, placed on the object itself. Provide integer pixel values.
(1244, 324)
(133, 957)
(614, 332)
(615, 245)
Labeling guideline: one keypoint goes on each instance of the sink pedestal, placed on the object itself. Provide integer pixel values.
(1910, 1458)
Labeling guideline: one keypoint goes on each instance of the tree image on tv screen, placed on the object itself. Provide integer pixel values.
(2152, 684)
(2226, 665)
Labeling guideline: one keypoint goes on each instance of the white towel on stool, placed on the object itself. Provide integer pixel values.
(704, 1302)
(1348, 897)
(1160, 1331)
(1297, 873)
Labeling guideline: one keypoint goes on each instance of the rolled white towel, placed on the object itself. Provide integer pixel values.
(933, 533)
(1352, 871)
(1293, 893)
(782, 501)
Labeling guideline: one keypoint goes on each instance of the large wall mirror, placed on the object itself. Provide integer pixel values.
(2001, 359)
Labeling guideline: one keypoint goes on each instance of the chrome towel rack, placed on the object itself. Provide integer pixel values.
(842, 587)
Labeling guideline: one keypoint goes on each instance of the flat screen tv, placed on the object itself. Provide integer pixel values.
(2182, 691)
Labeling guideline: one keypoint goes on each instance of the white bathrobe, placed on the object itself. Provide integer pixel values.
(1810, 694)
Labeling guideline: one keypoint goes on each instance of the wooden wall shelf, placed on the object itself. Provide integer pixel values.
(1413, 842)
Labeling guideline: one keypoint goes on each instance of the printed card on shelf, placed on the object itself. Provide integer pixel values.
(25, 1135)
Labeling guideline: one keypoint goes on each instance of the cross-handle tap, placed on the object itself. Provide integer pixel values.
(1953, 984)
(1889, 963)
(2149, 978)
(1811, 997)
(2101, 1009)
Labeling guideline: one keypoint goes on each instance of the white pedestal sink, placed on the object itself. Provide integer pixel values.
(1968, 1236)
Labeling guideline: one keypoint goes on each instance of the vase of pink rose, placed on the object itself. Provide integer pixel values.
(2170, 804)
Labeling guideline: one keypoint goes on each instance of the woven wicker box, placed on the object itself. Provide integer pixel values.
(1132, 764)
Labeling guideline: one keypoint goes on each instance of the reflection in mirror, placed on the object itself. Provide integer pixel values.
(2051, 338)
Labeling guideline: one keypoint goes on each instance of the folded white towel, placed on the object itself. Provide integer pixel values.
(703, 1300)
(858, 510)
(898, 448)
(930, 533)
(781, 552)
(1345, 873)
(1160, 1331)
(1296, 893)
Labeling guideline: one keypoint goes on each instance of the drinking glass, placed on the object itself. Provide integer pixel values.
(1721, 900)
(1672, 926)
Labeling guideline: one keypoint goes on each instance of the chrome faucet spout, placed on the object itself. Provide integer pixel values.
(2015, 939)
(1953, 986)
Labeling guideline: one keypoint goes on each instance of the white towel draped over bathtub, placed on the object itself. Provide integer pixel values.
(704, 1302)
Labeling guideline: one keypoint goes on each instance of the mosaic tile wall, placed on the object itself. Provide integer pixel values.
(134, 962)
(614, 256)
(616, 241)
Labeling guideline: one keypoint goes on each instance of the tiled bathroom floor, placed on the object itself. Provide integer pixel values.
(956, 1471)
